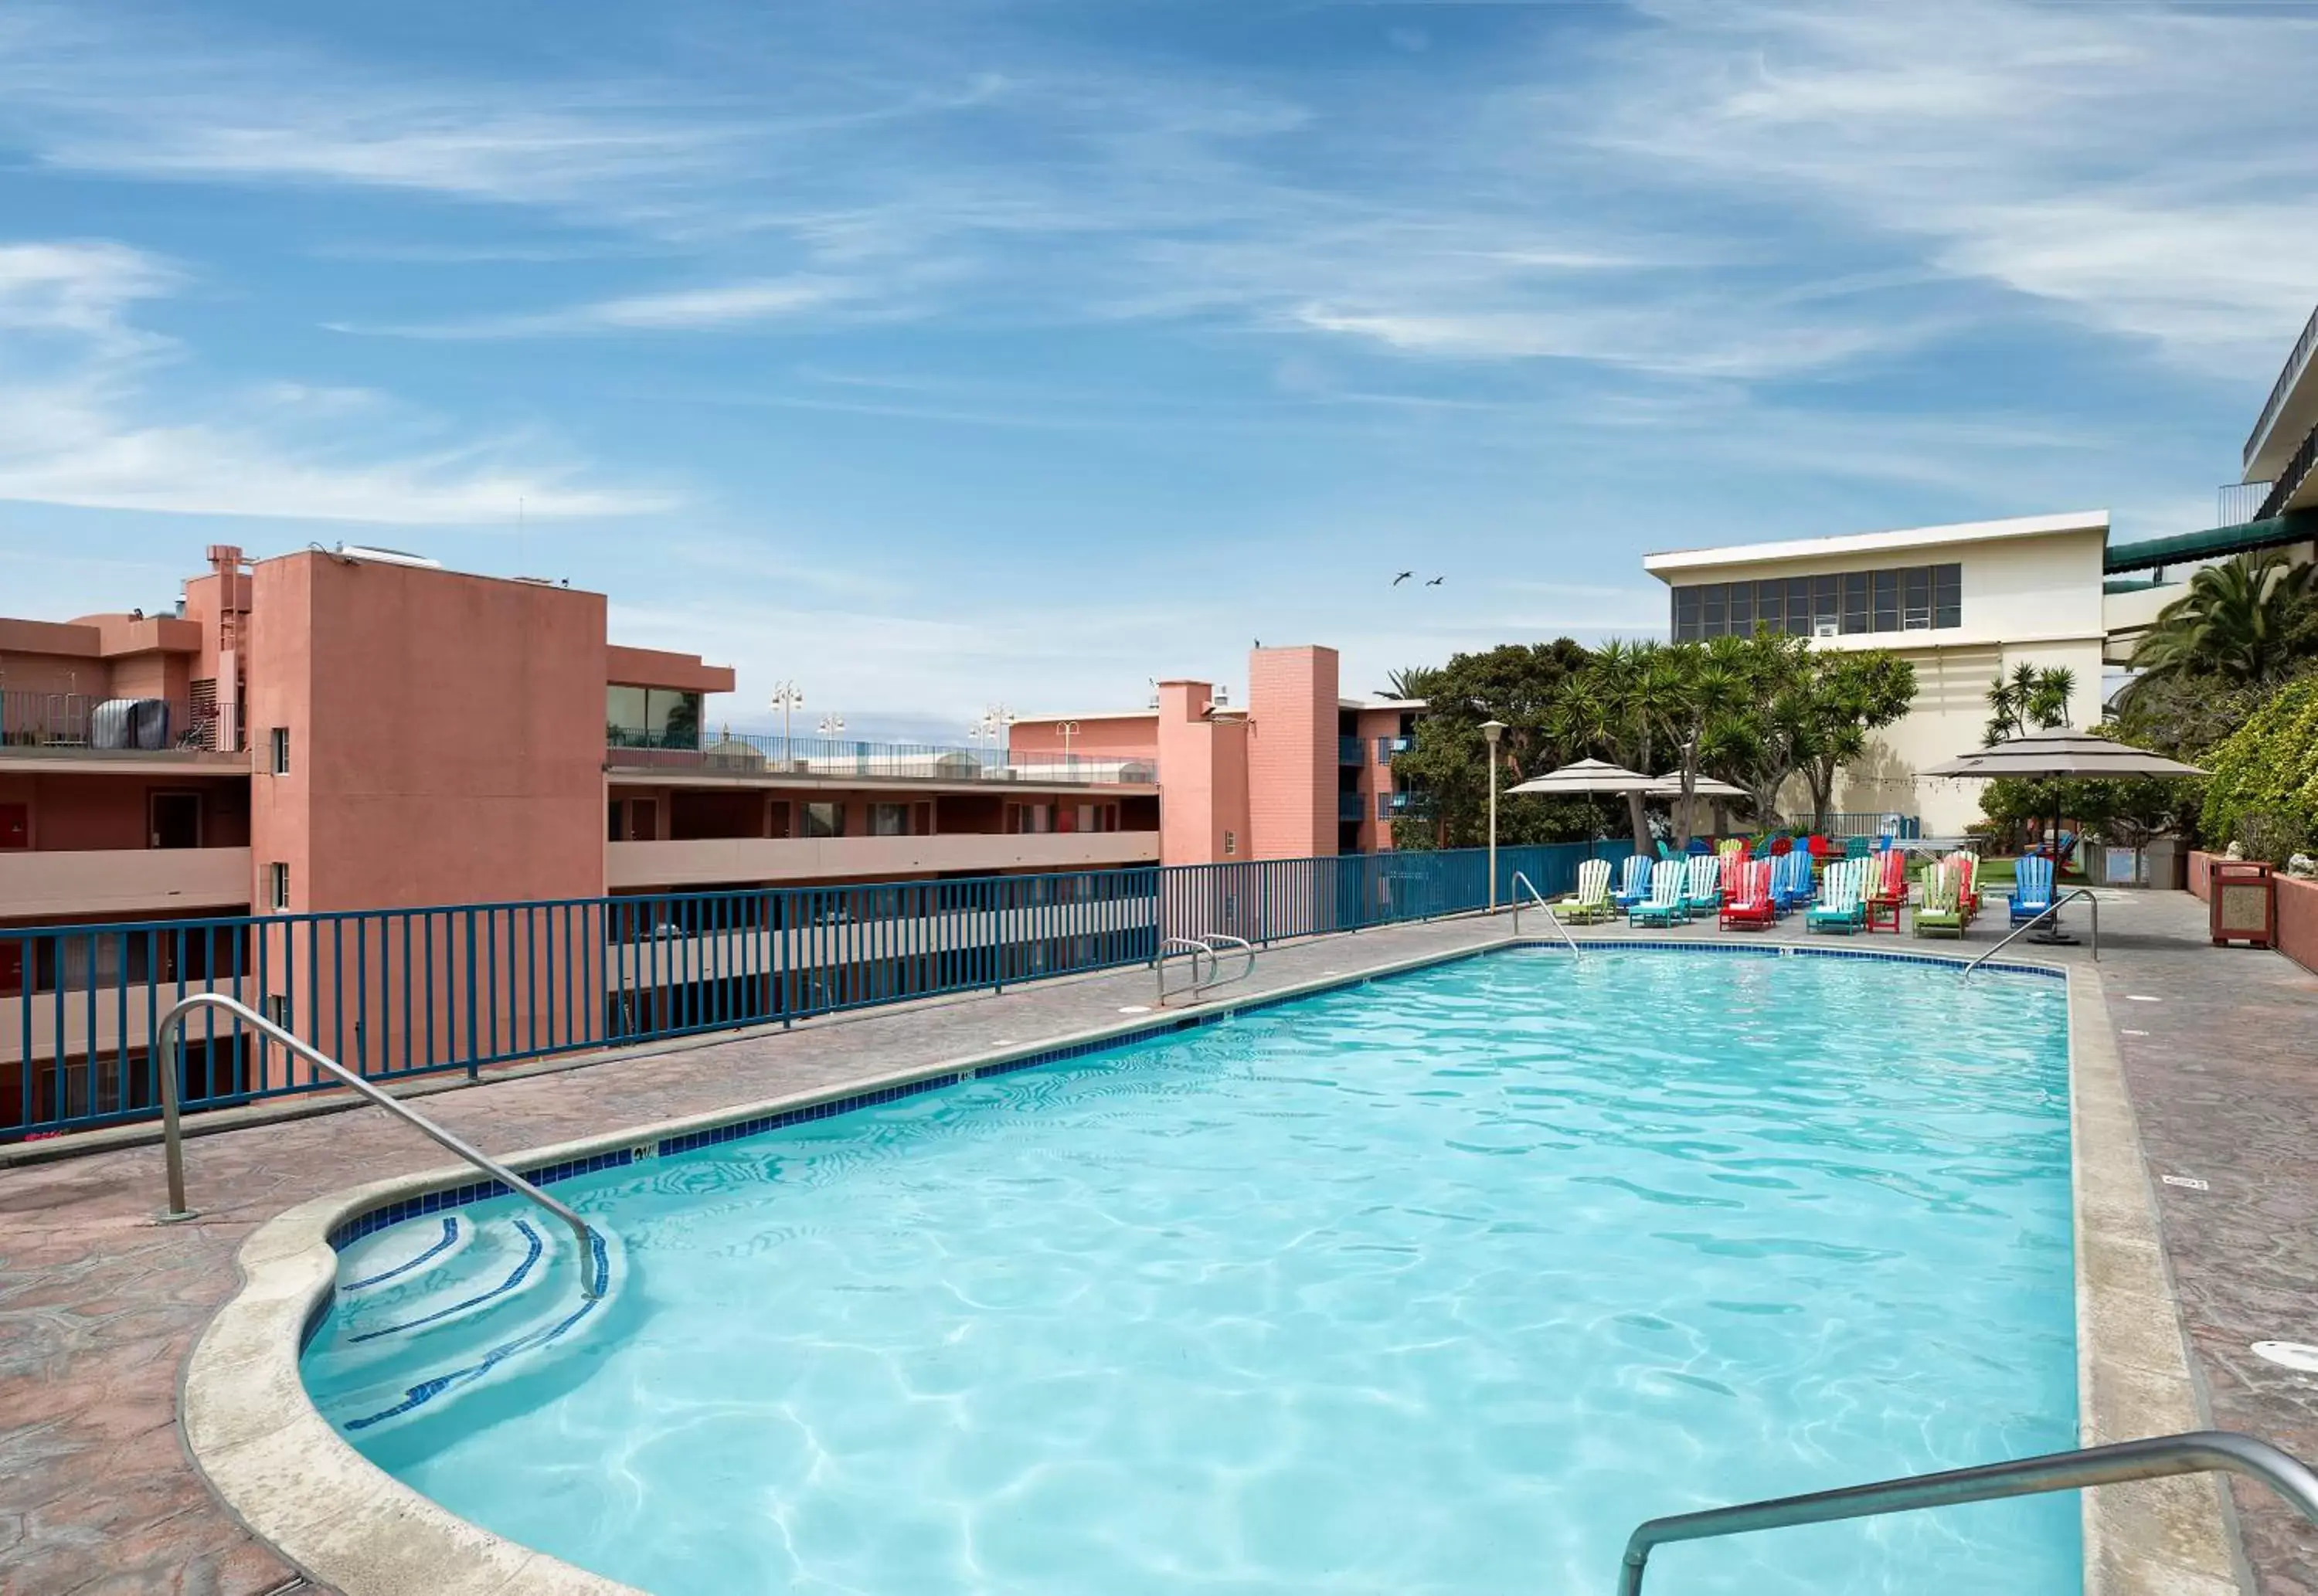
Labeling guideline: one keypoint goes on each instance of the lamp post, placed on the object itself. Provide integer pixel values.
(1067, 730)
(832, 724)
(787, 696)
(1492, 730)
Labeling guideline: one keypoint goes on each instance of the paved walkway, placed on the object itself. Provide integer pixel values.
(98, 1307)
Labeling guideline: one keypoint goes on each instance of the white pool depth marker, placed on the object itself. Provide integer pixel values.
(2298, 1356)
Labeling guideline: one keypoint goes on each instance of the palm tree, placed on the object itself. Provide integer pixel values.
(2032, 699)
(1628, 702)
(1412, 681)
(2238, 621)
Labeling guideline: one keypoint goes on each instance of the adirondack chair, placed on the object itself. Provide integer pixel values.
(2032, 890)
(1635, 885)
(1666, 905)
(1967, 864)
(1841, 906)
(1941, 913)
(1801, 885)
(1748, 905)
(1591, 902)
(1702, 884)
(1734, 866)
(1887, 890)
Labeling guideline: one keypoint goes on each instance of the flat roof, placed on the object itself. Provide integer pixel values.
(1088, 715)
(1872, 542)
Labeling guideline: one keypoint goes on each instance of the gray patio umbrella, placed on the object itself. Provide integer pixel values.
(1586, 778)
(1704, 786)
(2063, 753)
(2059, 755)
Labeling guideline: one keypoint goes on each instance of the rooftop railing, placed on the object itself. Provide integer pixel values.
(842, 758)
(101, 725)
(2302, 348)
(2237, 503)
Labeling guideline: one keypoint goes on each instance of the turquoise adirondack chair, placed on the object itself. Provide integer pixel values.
(1841, 906)
(1666, 905)
(1702, 891)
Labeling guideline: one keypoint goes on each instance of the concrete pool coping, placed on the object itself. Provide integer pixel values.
(255, 1436)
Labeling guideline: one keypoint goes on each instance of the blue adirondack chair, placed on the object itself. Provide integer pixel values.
(2032, 889)
(1798, 888)
(1665, 906)
(1634, 886)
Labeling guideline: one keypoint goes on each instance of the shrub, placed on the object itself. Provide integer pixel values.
(2264, 790)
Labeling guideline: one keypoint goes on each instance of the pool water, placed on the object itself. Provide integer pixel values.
(1435, 1285)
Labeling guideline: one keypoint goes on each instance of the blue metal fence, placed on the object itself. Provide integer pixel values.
(398, 992)
(750, 754)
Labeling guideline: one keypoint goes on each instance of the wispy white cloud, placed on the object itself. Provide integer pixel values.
(756, 303)
(80, 425)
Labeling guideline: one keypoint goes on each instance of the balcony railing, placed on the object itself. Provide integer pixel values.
(1391, 805)
(30, 719)
(1386, 747)
(2237, 503)
(1349, 806)
(840, 759)
(1348, 750)
(2290, 478)
(2302, 348)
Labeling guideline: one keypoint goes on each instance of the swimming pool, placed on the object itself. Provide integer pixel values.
(1437, 1284)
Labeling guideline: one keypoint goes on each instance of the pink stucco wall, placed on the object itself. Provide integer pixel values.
(1203, 810)
(1376, 776)
(446, 735)
(1099, 737)
(2297, 908)
(1291, 758)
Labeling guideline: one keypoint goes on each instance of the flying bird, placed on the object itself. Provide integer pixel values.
(1403, 576)
(1436, 581)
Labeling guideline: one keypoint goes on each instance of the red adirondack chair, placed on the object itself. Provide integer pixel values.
(1748, 908)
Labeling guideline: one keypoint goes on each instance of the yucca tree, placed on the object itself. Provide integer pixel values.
(1629, 704)
(1413, 681)
(2238, 621)
(2032, 699)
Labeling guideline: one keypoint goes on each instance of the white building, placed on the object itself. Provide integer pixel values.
(1963, 604)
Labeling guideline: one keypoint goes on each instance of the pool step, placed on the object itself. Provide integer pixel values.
(453, 1301)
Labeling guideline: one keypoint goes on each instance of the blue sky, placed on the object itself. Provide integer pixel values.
(948, 354)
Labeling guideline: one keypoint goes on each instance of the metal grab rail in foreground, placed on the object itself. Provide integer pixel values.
(2052, 914)
(2201, 1451)
(166, 1037)
(1522, 880)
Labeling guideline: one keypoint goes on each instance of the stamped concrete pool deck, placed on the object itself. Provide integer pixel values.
(99, 1307)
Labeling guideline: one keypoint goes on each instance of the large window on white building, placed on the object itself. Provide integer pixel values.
(1903, 598)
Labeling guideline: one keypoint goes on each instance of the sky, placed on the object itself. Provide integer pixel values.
(938, 356)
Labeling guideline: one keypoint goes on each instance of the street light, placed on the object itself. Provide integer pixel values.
(787, 696)
(832, 724)
(1067, 730)
(1493, 731)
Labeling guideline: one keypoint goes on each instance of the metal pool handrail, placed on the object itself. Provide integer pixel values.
(2202, 1451)
(1159, 964)
(2053, 914)
(165, 1039)
(1520, 880)
(1215, 960)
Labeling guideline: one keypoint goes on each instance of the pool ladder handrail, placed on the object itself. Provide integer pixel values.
(167, 1034)
(2052, 914)
(1522, 880)
(1195, 946)
(2201, 1451)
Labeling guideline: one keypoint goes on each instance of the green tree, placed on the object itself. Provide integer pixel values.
(1413, 681)
(2032, 699)
(2265, 775)
(1847, 693)
(2248, 619)
(1447, 771)
(1629, 705)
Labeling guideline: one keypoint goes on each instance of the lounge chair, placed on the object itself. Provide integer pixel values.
(1666, 905)
(1840, 907)
(1749, 906)
(1701, 889)
(1941, 913)
(1887, 890)
(1636, 884)
(2032, 890)
(1801, 884)
(1967, 869)
(1591, 902)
